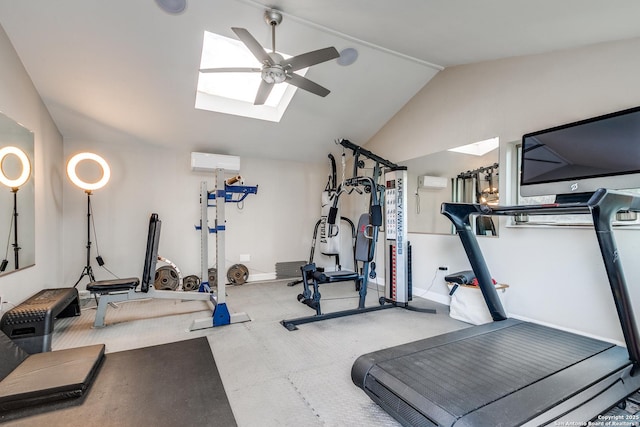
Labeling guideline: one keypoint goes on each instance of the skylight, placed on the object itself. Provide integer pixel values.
(234, 93)
(479, 148)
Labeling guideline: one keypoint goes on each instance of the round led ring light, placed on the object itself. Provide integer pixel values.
(26, 167)
(88, 186)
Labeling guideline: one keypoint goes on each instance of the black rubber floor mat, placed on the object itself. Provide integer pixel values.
(174, 384)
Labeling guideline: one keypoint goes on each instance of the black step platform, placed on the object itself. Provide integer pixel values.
(30, 323)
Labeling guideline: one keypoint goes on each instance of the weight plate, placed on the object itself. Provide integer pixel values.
(237, 274)
(213, 277)
(168, 261)
(166, 278)
(191, 283)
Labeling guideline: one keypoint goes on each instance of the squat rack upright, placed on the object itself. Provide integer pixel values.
(222, 194)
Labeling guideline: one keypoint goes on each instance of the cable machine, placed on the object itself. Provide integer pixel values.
(329, 244)
(393, 197)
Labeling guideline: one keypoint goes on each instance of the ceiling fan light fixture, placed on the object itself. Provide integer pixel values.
(347, 56)
(173, 7)
(273, 74)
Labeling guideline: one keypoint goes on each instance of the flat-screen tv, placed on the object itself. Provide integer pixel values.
(573, 160)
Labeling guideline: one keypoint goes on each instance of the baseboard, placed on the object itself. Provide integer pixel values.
(432, 296)
(573, 331)
(259, 277)
(418, 292)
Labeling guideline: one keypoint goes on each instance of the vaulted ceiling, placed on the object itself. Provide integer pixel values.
(127, 70)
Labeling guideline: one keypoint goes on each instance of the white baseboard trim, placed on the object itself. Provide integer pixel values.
(419, 292)
(432, 296)
(259, 277)
(573, 331)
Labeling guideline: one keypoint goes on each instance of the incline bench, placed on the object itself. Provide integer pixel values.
(30, 323)
(118, 290)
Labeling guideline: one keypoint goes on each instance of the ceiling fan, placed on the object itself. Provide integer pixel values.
(275, 69)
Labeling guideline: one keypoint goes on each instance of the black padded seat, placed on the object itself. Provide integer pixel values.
(335, 276)
(45, 377)
(115, 285)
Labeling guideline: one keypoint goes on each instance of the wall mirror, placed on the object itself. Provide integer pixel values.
(451, 176)
(17, 197)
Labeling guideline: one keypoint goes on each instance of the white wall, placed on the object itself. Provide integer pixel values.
(556, 275)
(275, 225)
(20, 101)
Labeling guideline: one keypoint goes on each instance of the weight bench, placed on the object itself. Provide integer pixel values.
(30, 323)
(117, 290)
(32, 379)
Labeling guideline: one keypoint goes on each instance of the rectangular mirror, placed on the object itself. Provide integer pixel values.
(17, 197)
(450, 176)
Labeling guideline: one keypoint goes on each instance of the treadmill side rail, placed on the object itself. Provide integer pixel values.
(603, 206)
(459, 214)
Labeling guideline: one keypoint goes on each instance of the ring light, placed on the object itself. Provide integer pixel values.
(26, 167)
(88, 186)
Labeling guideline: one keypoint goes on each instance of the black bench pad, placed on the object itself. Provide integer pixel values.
(50, 376)
(115, 285)
(335, 276)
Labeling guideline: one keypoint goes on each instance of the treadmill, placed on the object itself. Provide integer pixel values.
(510, 372)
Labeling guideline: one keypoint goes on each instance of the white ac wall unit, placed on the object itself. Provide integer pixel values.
(205, 162)
(432, 182)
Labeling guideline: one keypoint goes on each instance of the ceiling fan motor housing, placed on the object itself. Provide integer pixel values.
(273, 17)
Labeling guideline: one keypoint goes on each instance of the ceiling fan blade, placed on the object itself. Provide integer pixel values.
(230, 70)
(306, 84)
(253, 45)
(308, 59)
(263, 93)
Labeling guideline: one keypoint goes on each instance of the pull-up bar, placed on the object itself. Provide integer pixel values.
(358, 151)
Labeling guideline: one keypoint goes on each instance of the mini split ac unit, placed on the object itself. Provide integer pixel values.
(432, 182)
(205, 162)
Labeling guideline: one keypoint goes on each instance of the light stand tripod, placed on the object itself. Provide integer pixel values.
(16, 247)
(14, 226)
(88, 187)
(14, 185)
(87, 271)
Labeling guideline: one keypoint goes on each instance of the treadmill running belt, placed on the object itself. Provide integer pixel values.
(505, 373)
(489, 366)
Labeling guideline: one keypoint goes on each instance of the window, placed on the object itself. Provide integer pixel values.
(234, 92)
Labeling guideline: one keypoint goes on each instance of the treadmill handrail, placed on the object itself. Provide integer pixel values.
(603, 206)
